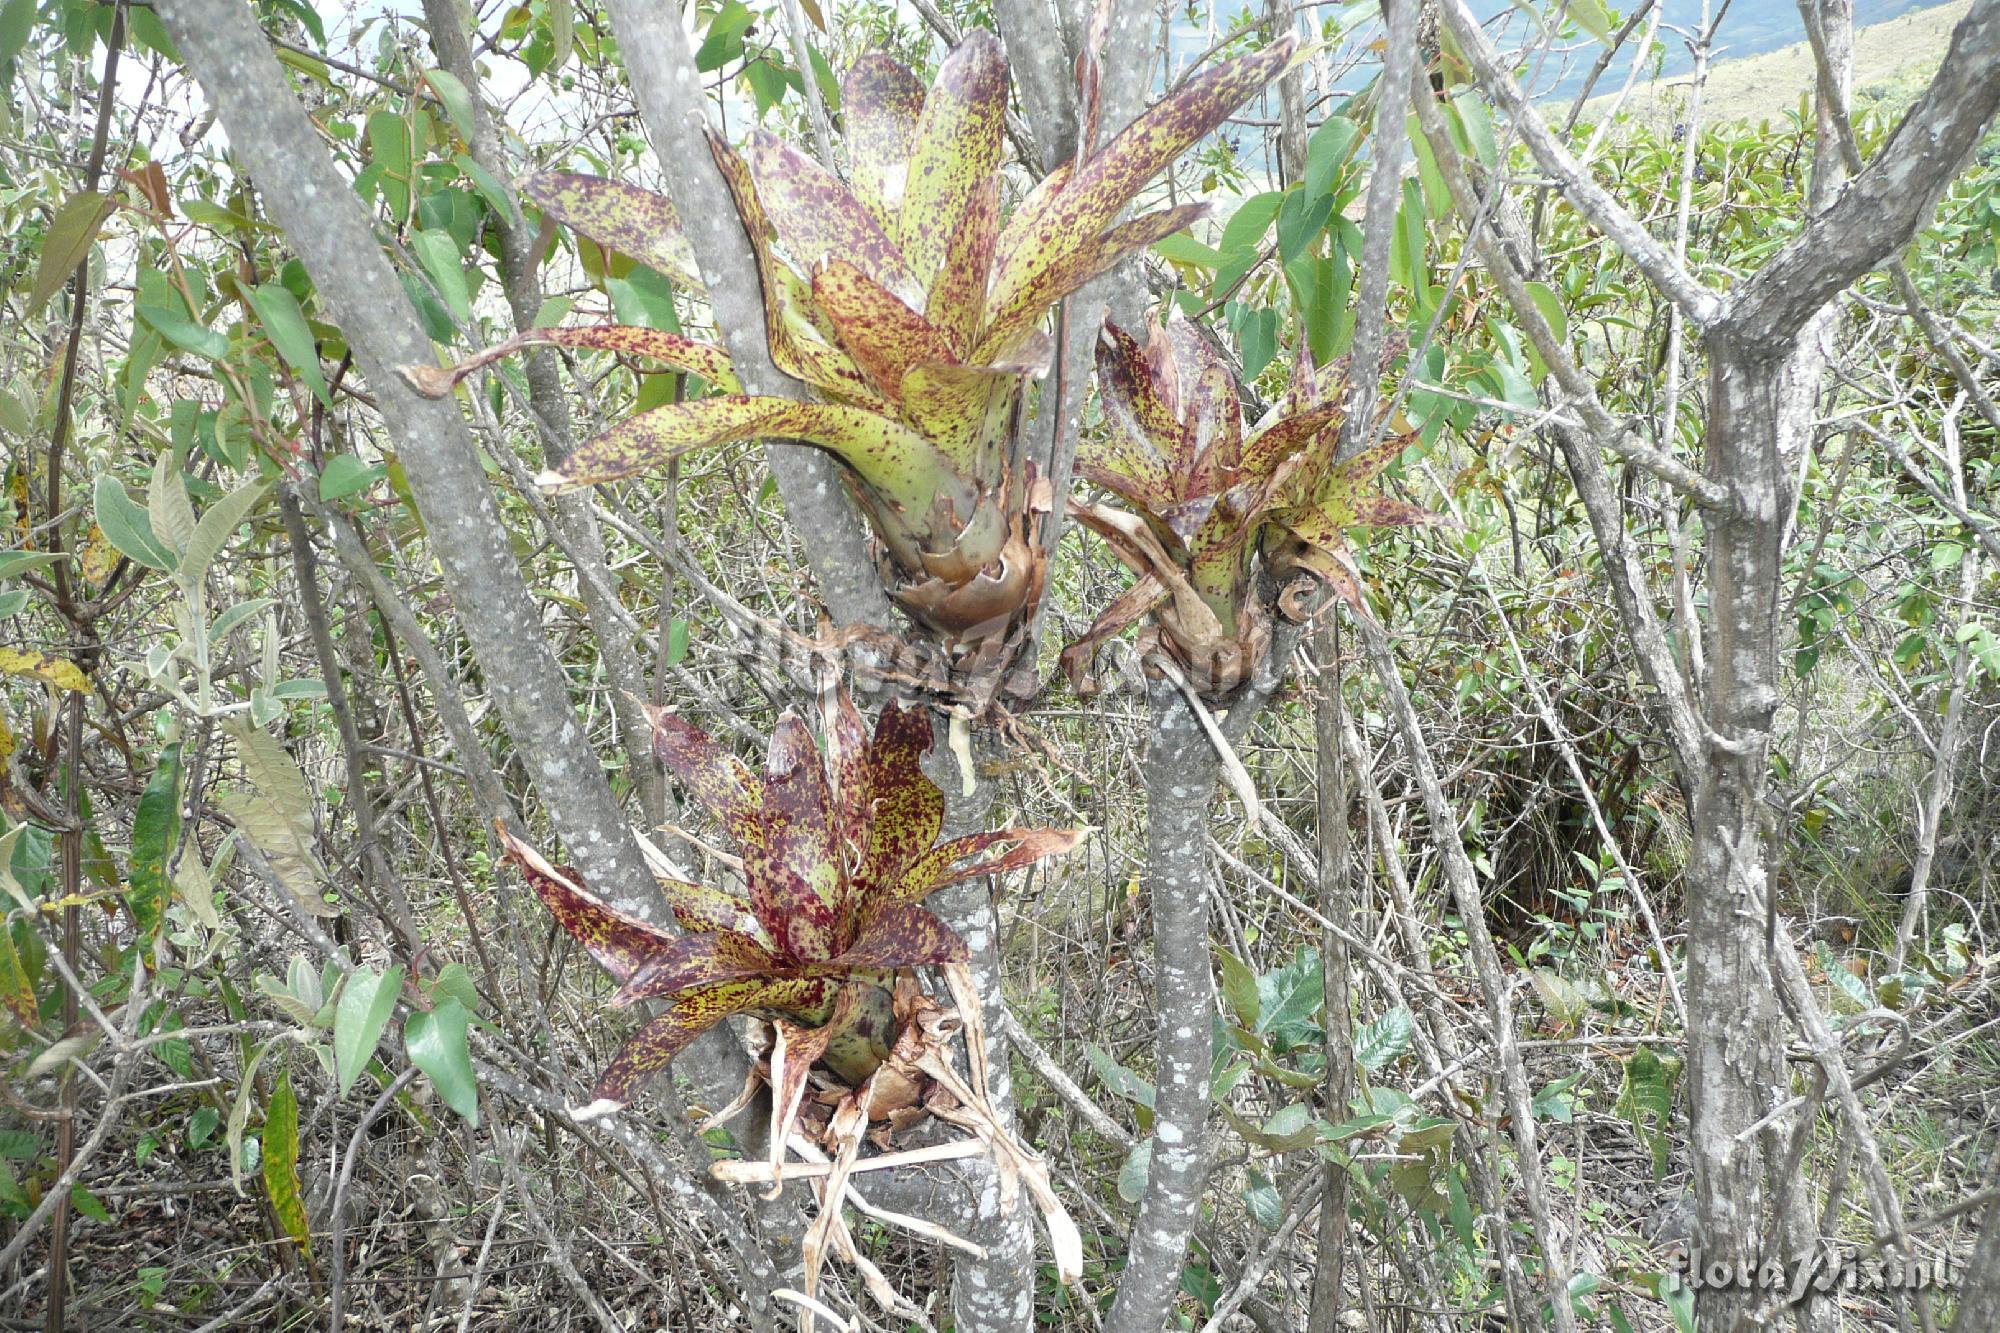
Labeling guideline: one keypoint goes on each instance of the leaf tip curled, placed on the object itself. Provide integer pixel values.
(552, 481)
(430, 381)
(601, 1109)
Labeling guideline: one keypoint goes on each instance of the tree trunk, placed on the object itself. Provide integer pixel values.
(1181, 768)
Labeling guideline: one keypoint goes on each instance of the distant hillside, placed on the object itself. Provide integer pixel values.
(1890, 58)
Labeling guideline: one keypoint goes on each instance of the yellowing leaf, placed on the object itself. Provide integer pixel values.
(57, 671)
(100, 557)
(281, 1163)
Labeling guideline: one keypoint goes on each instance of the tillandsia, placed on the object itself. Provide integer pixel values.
(1200, 502)
(911, 309)
(838, 852)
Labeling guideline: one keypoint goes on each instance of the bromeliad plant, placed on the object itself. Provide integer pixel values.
(911, 310)
(1200, 501)
(838, 854)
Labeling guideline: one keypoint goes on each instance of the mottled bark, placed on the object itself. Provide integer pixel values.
(1181, 768)
(1336, 898)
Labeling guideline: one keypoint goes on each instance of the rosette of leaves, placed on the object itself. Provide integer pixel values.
(911, 309)
(838, 852)
(1199, 499)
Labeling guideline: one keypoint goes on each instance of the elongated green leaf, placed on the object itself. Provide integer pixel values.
(438, 253)
(217, 522)
(126, 527)
(168, 511)
(436, 1042)
(69, 236)
(344, 475)
(239, 1115)
(281, 1163)
(1133, 1175)
(1330, 148)
(1292, 993)
(366, 1002)
(889, 456)
(457, 100)
(285, 325)
(1378, 1044)
(173, 324)
(17, 20)
(1239, 990)
(14, 563)
(155, 831)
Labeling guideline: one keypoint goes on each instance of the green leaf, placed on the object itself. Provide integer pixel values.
(344, 475)
(457, 101)
(239, 1116)
(436, 1042)
(126, 527)
(1117, 1078)
(1133, 1174)
(218, 521)
(1292, 993)
(155, 831)
(1239, 990)
(68, 240)
(168, 512)
(1299, 221)
(285, 325)
(438, 253)
(389, 149)
(1330, 148)
(17, 993)
(87, 1203)
(281, 1163)
(366, 1002)
(455, 983)
(1593, 18)
(1378, 1044)
(1181, 248)
(17, 20)
(13, 563)
(178, 328)
(1260, 1197)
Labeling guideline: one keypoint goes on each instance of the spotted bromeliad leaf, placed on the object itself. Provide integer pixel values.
(839, 850)
(1199, 500)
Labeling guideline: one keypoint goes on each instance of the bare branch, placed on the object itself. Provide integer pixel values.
(1882, 208)
(1698, 303)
